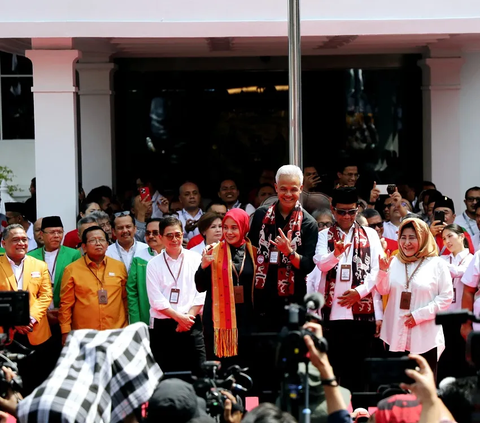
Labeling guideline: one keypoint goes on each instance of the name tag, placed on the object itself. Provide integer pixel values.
(35, 274)
(111, 274)
(345, 272)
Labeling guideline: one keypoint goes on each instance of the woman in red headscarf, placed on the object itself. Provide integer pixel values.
(227, 273)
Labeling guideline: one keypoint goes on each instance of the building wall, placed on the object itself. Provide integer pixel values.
(19, 155)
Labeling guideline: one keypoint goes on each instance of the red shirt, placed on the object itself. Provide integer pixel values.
(71, 239)
(197, 239)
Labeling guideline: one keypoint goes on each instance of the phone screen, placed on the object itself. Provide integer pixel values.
(385, 371)
(439, 215)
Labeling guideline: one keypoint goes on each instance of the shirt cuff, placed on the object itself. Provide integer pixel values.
(362, 290)
(161, 304)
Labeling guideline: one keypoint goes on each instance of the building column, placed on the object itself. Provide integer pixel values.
(54, 95)
(442, 161)
(96, 124)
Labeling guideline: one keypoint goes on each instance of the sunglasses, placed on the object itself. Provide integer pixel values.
(322, 225)
(122, 213)
(171, 236)
(153, 233)
(351, 212)
(376, 225)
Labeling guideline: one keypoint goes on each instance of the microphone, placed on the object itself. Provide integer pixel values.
(314, 301)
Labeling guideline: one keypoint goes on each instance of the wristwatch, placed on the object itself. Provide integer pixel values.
(330, 382)
(291, 256)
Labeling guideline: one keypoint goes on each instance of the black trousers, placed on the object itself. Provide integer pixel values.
(178, 351)
(349, 344)
(453, 361)
(430, 356)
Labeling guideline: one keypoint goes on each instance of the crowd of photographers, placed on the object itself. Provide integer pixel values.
(383, 272)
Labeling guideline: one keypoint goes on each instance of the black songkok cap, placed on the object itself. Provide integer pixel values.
(445, 202)
(51, 222)
(344, 195)
(15, 208)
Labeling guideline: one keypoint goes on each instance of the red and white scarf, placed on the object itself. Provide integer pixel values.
(268, 232)
(361, 263)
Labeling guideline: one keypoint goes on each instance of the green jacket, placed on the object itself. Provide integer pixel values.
(66, 256)
(2, 250)
(138, 303)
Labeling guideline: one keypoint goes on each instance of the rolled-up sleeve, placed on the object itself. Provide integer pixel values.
(155, 297)
(324, 259)
(471, 276)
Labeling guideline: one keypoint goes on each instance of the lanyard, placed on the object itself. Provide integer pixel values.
(54, 263)
(120, 254)
(351, 241)
(467, 221)
(98, 279)
(412, 275)
(170, 270)
(237, 274)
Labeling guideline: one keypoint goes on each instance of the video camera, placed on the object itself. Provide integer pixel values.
(14, 311)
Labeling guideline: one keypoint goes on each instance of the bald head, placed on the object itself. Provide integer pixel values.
(190, 196)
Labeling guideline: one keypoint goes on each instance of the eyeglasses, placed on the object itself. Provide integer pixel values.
(154, 233)
(171, 236)
(322, 225)
(352, 175)
(122, 214)
(376, 225)
(473, 199)
(351, 212)
(54, 233)
(95, 241)
(105, 225)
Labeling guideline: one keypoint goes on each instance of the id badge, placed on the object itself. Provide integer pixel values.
(238, 293)
(345, 272)
(454, 295)
(102, 296)
(405, 300)
(174, 296)
(274, 254)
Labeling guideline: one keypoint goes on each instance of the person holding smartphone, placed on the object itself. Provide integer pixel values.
(419, 286)
(443, 215)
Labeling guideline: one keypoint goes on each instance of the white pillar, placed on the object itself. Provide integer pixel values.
(469, 111)
(441, 125)
(96, 123)
(54, 95)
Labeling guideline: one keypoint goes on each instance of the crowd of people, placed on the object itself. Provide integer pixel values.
(211, 280)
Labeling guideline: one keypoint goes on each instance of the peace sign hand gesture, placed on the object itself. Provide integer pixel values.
(384, 263)
(283, 243)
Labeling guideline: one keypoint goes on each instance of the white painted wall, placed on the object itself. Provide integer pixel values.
(19, 155)
(214, 18)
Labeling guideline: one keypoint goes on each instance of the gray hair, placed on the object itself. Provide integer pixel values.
(323, 212)
(99, 215)
(10, 228)
(86, 219)
(290, 170)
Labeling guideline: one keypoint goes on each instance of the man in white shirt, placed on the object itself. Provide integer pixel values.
(471, 293)
(476, 238)
(125, 248)
(177, 337)
(347, 255)
(467, 219)
(190, 198)
(15, 213)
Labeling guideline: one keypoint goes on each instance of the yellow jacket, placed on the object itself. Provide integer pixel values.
(36, 281)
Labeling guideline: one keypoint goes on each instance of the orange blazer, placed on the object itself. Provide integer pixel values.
(36, 281)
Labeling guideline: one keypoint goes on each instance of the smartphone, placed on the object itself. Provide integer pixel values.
(391, 188)
(383, 189)
(387, 371)
(439, 215)
(144, 193)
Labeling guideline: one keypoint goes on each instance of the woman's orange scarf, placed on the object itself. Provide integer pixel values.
(223, 300)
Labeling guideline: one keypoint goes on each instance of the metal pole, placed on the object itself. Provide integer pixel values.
(295, 84)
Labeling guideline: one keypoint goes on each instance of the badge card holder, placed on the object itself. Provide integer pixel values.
(174, 296)
(405, 300)
(102, 296)
(345, 272)
(238, 294)
(274, 256)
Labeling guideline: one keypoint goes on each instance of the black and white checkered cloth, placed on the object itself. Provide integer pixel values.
(101, 376)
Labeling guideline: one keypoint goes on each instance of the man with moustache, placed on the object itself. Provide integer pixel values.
(138, 303)
(190, 198)
(347, 255)
(93, 294)
(126, 246)
(19, 272)
(229, 194)
(37, 232)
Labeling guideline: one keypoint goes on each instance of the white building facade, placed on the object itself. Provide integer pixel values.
(73, 46)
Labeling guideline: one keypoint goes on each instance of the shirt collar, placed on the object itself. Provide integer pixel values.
(12, 262)
(89, 262)
(171, 259)
(123, 249)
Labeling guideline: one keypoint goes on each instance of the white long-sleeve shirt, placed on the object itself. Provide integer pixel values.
(471, 278)
(160, 283)
(326, 260)
(117, 252)
(432, 292)
(183, 216)
(457, 266)
(467, 223)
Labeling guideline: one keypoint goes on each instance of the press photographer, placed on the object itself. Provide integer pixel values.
(19, 272)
